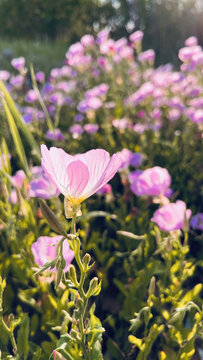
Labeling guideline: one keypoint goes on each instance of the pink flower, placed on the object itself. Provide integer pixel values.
(87, 40)
(44, 250)
(18, 63)
(171, 217)
(191, 41)
(79, 176)
(40, 76)
(91, 128)
(19, 178)
(106, 189)
(136, 36)
(152, 182)
(31, 96)
(4, 75)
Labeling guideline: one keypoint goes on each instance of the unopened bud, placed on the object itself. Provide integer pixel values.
(57, 355)
(52, 219)
(86, 260)
(185, 226)
(152, 285)
(73, 276)
(94, 287)
(3, 189)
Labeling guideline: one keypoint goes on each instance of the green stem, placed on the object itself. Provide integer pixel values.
(83, 306)
(43, 106)
(185, 238)
(8, 332)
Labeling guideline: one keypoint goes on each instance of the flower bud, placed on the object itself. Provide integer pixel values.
(73, 276)
(185, 225)
(3, 189)
(94, 287)
(52, 219)
(152, 285)
(86, 260)
(57, 355)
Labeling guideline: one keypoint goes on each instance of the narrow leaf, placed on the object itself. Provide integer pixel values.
(19, 121)
(16, 138)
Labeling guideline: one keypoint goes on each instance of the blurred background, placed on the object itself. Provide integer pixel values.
(39, 29)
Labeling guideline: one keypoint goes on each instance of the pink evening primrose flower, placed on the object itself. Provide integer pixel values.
(44, 250)
(78, 176)
(152, 182)
(18, 63)
(171, 217)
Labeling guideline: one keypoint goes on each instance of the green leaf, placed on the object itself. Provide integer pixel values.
(18, 118)
(35, 87)
(22, 338)
(5, 153)
(16, 138)
(130, 235)
(95, 331)
(93, 214)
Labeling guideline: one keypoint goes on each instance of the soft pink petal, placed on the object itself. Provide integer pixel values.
(78, 177)
(55, 162)
(96, 161)
(111, 169)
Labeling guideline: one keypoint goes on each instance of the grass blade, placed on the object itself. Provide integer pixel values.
(16, 138)
(19, 121)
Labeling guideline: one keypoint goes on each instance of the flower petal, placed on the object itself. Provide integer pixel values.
(78, 177)
(55, 162)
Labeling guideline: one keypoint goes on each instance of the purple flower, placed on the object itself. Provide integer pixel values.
(55, 135)
(156, 113)
(79, 117)
(136, 159)
(31, 96)
(17, 81)
(76, 130)
(171, 217)
(91, 128)
(18, 63)
(44, 250)
(198, 116)
(93, 103)
(99, 90)
(57, 98)
(197, 221)
(40, 76)
(48, 88)
(41, 186)
(134, 175)
(152, 182)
